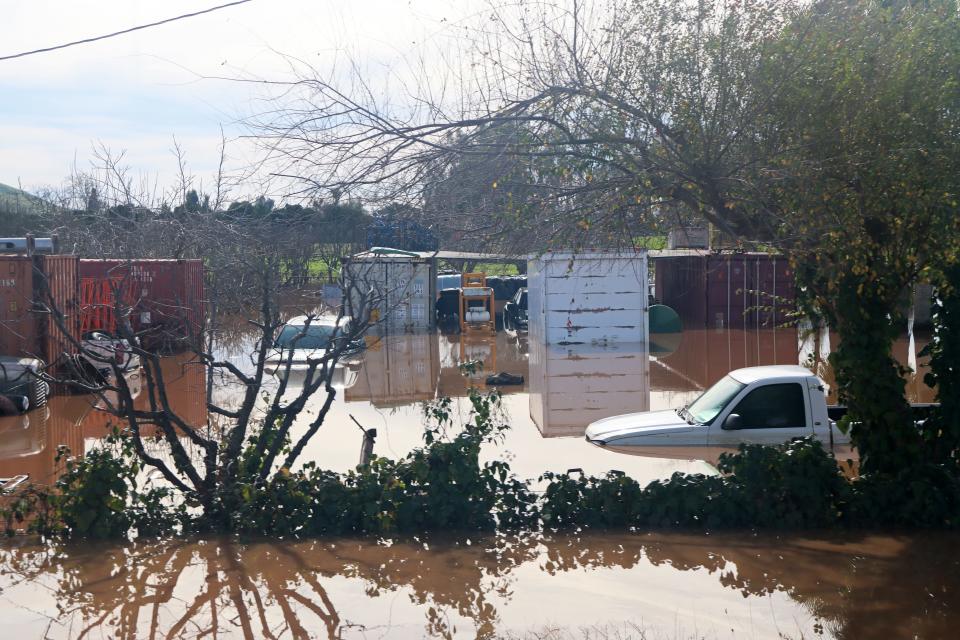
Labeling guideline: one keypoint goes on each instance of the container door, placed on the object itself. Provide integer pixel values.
(18, 325)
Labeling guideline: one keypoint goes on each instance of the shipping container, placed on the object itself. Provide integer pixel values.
(574, 385)
(600, 297)
(39, 307)
(728, 290)
(165, 298)
(396, 288)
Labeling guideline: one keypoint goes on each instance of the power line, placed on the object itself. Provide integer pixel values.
(120, 33)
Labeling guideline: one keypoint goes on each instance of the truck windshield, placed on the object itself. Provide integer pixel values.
(707, 406)
(316, 337)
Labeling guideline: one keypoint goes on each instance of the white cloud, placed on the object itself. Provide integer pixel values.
(135, 91)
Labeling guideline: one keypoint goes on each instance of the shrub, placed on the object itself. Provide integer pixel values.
(796, 485)
(96, 497)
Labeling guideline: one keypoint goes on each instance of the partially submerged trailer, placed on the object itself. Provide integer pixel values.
(588, 298)
(165, 298)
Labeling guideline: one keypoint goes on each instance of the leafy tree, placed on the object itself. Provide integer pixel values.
(826, 129)
(868, 183)
(341, 231)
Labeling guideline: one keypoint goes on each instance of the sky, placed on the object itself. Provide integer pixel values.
(134, 93)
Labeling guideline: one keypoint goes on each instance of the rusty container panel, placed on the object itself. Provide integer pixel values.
(726, 282)
(195, 294)
(57, 286)
(18, 325)
(28, 286)
(680, 283)
(749, 290)
(166, 296)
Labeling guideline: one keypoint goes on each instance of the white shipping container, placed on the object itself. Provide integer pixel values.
(396, 288)
(588, 298)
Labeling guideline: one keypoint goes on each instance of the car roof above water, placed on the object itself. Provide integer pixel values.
(323, 320)
(750, 375)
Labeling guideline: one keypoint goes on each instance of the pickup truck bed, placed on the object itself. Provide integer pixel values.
(921, 411)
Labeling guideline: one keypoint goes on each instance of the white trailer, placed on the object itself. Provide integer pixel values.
(588, 298)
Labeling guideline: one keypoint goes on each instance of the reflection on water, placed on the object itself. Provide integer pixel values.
(672, 586)
(573, 385)
(29, 442)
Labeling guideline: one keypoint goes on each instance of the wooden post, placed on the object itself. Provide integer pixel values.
(366, 449)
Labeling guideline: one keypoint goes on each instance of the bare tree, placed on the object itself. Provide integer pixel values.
(245, 438)
(569, 122)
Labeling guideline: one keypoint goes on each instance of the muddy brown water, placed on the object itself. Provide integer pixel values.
(591, 586)
(664, 585)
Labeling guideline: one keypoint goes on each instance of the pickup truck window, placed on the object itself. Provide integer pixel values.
(775, 406)
(705, 408)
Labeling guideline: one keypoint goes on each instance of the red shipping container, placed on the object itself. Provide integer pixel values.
(749, 290)
(166, 297)
(728, 290)
(680, 283)
(28, 286)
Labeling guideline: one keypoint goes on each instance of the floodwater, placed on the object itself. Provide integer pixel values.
(667, 585)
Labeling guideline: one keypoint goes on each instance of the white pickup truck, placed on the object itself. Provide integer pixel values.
(758, 405)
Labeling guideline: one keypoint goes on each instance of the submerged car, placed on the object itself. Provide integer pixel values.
(515, 315)
(102, 350)
(21, 384)
(305, 338)
(758, 405)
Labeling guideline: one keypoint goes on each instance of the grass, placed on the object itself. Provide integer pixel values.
(497, 269)
(651, 242)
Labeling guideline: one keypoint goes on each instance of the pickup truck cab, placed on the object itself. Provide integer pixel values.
(755, 405)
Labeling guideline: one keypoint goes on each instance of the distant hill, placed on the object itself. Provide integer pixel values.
(13, 199)
(19, 211)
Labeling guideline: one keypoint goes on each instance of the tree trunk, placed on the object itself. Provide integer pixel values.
(870, 381)
(942, 431)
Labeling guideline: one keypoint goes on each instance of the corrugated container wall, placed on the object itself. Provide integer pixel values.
(28, 286)
(681, 284)
(735, 290)
(397, 291)
(588, 298)
(166, 297)
(58, 288)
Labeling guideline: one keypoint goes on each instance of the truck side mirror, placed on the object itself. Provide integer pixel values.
(733, 422)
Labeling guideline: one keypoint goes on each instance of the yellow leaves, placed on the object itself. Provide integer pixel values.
(584, 225)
